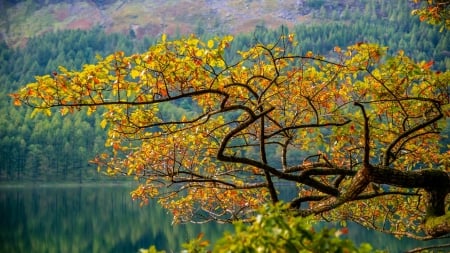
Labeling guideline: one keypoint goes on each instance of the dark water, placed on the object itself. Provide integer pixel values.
(104, 219)
(88, 219)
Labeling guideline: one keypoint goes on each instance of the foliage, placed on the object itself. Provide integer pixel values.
(152, 249)
(276, 228)
(196, 245)
(435, 12)
(356, 119)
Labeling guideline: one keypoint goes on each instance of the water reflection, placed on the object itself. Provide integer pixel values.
(103, 218)
(87, 219)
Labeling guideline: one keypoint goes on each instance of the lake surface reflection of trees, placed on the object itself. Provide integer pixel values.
(88, 219)
(103, 218)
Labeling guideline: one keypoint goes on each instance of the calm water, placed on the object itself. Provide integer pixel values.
(105, 219)
(87, 219)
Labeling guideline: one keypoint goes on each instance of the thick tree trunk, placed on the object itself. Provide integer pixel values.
(437, 226)
(425, 179)
(435, 182)
(437, 222)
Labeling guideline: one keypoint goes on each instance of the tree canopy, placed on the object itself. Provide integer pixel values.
(356, 135)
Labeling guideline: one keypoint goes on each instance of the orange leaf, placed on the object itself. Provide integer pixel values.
(163, 92)
(291, 37)
(17, 102)
(428, 65)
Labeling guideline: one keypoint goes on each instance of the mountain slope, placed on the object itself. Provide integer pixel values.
(25, 19)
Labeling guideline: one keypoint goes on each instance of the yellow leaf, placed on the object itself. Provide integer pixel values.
(48, 112)
(228, 38)
(34, 112)
(210, 43)
(163, 37)
(64, 110)
(135, 73)
(198, 53)
(103, 123)
(138, 60)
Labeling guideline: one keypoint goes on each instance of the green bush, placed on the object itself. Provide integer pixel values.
(276, 229)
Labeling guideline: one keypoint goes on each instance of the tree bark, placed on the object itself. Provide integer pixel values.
(435, 182)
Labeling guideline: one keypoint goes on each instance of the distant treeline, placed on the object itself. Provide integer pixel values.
(59, 148)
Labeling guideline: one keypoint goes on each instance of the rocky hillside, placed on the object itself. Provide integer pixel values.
(24, 19)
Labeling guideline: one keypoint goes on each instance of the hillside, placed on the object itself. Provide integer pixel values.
(57, 149)
(22, 20)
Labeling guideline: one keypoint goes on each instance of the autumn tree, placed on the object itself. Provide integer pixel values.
(356, 135)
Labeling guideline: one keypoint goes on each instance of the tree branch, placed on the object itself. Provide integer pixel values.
(388, 152)
(420, 249)
(366, 159)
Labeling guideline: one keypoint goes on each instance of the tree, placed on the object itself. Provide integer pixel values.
(365, 128)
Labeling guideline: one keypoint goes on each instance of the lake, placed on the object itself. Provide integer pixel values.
(103, 218)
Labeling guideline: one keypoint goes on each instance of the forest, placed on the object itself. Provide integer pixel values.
(58, 148)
